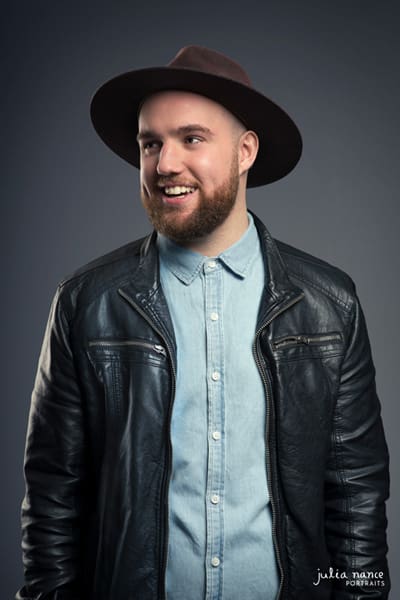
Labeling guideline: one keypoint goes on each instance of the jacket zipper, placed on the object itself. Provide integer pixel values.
(167, 475)
(156, 347)
(268, 392)
(294, 340)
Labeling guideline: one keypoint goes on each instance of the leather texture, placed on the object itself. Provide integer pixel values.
(98, 453)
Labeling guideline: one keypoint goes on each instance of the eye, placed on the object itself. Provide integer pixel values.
(193, 139)
(150, 146)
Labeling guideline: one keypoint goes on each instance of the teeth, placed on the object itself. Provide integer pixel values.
(178, 190)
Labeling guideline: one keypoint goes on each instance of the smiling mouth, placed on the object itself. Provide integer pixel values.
(177, 191)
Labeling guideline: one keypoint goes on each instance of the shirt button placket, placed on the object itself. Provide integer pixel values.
(213, 274)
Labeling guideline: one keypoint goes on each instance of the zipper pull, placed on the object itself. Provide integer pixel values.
(160, 349)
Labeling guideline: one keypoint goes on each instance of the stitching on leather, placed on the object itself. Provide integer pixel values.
(307, 258)
(111, 284)
(302, 255)
(114, 372)
(89, 269)
(341, 466)
(309, 357)
(341, 473)
(347, 307)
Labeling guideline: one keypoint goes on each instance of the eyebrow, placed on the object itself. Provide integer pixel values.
(184, 129)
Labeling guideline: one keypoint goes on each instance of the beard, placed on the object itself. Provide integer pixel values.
(210, 212)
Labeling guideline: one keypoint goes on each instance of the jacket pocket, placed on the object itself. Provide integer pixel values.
(321, 339)
(132, 372)
(308, 345)
(108, 347)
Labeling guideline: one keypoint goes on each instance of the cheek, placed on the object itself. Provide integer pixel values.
(146, 173)
(210, 168)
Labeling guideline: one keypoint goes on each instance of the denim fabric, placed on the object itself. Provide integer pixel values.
(220, 537)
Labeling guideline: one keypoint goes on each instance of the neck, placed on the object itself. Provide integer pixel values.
(224, 236)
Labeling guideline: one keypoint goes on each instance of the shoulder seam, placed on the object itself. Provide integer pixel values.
(77, 276)
(305, 257)
(338, 301)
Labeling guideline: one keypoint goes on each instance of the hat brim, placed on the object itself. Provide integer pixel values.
(114, 113)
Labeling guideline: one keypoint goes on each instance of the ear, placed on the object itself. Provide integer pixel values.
(247, 150)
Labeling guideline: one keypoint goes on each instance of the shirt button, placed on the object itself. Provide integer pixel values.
(215, 499)
(215, 561)
(215, 376)
(211, 264)
(216, 435)
(214, 316)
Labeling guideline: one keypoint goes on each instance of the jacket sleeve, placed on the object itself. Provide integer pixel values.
(52, 508)
(357, 479)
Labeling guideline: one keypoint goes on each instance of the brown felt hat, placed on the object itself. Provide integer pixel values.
(115, 105)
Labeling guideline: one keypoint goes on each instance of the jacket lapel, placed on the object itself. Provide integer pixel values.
(279, 291)
(145, 294)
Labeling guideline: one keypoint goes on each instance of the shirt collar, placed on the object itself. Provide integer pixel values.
(186, 264)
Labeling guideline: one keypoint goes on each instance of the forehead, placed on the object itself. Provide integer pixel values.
(178, 106)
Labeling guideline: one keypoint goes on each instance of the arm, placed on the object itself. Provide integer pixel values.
(357, 480)
(54, 470)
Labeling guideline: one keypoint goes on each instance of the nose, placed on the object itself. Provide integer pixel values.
(169, 159)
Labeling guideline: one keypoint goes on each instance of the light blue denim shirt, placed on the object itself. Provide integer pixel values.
(220, 538)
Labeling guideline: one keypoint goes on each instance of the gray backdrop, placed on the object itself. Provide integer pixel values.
(66, 198)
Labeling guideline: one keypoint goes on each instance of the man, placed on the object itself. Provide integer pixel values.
(204, 422)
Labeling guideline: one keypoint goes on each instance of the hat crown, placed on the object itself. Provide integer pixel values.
(211, 62)
(116, 104)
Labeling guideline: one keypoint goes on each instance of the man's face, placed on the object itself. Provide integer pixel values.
(189, 164)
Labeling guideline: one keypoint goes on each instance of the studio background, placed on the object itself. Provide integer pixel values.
(67, 199)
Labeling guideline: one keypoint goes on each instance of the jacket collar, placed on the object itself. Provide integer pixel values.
(279, 291)
(145, 293)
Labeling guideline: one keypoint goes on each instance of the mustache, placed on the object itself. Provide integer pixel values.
(171, 182)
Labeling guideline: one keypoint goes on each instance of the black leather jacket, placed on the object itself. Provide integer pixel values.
(98, 451)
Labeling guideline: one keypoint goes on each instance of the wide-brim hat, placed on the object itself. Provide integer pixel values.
(115, 106)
